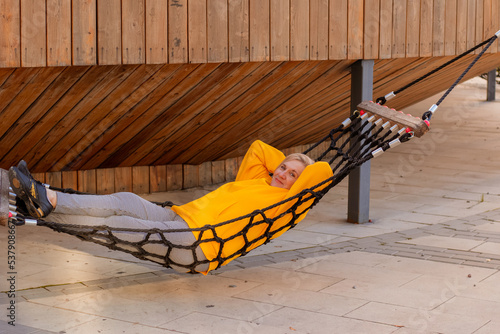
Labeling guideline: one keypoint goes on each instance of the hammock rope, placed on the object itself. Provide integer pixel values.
(427, 115)
(358, 139)
(383, 99)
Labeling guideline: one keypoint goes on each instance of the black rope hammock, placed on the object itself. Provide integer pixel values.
(359, 138)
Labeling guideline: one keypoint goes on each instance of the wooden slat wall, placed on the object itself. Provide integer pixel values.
(81, 118)
(193, 81)
(89, 32)
(260, 17)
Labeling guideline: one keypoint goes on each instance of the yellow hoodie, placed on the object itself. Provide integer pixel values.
(250, 191)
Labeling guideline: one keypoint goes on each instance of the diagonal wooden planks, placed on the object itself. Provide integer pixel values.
(86, 117)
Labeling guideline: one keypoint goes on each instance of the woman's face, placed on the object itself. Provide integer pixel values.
(287, 173)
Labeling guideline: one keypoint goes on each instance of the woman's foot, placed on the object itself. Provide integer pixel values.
(31, 192)
(21, 207)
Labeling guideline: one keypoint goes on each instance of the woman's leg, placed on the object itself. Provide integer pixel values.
(118, 204)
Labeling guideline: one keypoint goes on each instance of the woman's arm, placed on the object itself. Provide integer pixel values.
(260, 160)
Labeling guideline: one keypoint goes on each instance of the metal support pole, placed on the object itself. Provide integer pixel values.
(358, 206)
(490, 93)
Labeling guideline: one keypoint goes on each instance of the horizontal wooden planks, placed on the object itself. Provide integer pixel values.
(115, 32)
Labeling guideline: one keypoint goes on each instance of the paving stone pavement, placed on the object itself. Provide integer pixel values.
(429, 262)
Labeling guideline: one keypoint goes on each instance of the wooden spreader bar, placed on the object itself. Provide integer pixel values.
(393, 116)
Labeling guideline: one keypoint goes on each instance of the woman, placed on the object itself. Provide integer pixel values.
(253, 189)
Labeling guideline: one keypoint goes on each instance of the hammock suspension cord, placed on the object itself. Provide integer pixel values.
(383, 99)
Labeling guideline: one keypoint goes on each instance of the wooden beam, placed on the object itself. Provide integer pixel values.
(418, 126)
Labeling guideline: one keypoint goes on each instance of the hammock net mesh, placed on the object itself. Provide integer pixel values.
(359, 138)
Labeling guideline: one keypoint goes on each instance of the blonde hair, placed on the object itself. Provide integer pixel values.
(304, 159)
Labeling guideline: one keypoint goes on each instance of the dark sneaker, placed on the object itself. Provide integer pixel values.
(23, 168)
(21, 207)
(31, 192)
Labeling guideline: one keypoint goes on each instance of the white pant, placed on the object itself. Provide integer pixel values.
(127, 210)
